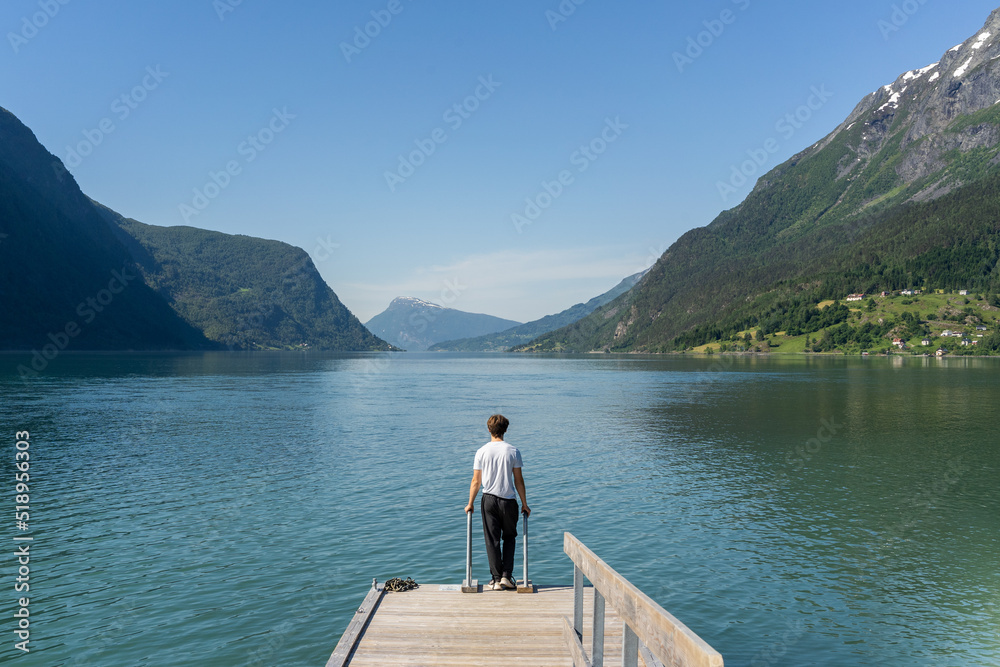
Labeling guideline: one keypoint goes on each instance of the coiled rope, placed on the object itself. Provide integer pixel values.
(399, 585)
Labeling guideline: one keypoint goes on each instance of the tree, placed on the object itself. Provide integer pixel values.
(991, 343)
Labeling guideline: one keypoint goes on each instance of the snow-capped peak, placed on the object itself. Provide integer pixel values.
(413, 301)
(981, 40)
(917, 73)
(893, 99)
(960, 72)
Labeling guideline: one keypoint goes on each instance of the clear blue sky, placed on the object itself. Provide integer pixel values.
(445, 232)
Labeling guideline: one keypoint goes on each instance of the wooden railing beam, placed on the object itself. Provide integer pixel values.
(672, 642)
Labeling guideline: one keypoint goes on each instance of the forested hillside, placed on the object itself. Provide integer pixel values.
(66, 282)
(243, 292)
(904, 193)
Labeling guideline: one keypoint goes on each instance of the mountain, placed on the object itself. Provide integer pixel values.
(412, 324)
(66, 281)
(902, 193)
(243, 292)
(75, 275)
(504, 340)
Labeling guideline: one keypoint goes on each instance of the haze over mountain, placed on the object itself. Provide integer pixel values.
(415, 325)
(903, 193)
(75, 275)
(504, 340)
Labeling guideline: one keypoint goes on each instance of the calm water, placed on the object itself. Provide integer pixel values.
(229, 509)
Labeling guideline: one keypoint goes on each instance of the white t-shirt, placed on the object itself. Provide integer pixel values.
(497, 460)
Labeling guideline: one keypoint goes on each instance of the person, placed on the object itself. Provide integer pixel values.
(497, 470)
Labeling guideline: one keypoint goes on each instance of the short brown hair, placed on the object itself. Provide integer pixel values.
(497, 424)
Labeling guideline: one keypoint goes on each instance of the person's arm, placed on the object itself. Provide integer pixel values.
(477, 481)
(519, 485)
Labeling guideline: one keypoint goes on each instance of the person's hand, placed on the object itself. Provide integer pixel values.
(525, 510)
(468, 508)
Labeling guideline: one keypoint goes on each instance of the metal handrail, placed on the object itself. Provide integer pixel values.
(525, 567)
(468, 547)
(470, 585)
(526, 585)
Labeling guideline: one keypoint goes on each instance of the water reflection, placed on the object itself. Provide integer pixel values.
(791, 510)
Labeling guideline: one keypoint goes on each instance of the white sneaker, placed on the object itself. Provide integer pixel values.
(495, 586)
(506, 583)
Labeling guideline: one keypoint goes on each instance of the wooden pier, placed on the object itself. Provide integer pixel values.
(431, 626)
(436, 624)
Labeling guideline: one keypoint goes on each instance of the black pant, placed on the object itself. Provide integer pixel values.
(499, 525)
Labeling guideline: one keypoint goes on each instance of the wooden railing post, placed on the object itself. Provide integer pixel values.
(578, 601)
(630, 647)
(646, 623)
(597, 646)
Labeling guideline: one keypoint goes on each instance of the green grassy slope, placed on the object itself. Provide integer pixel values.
(958, 324)
(951, 243)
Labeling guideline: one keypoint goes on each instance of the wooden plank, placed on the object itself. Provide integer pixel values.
(430, 626)
(669, 640)
(342, 653)
(648, 657)
(574, 644)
